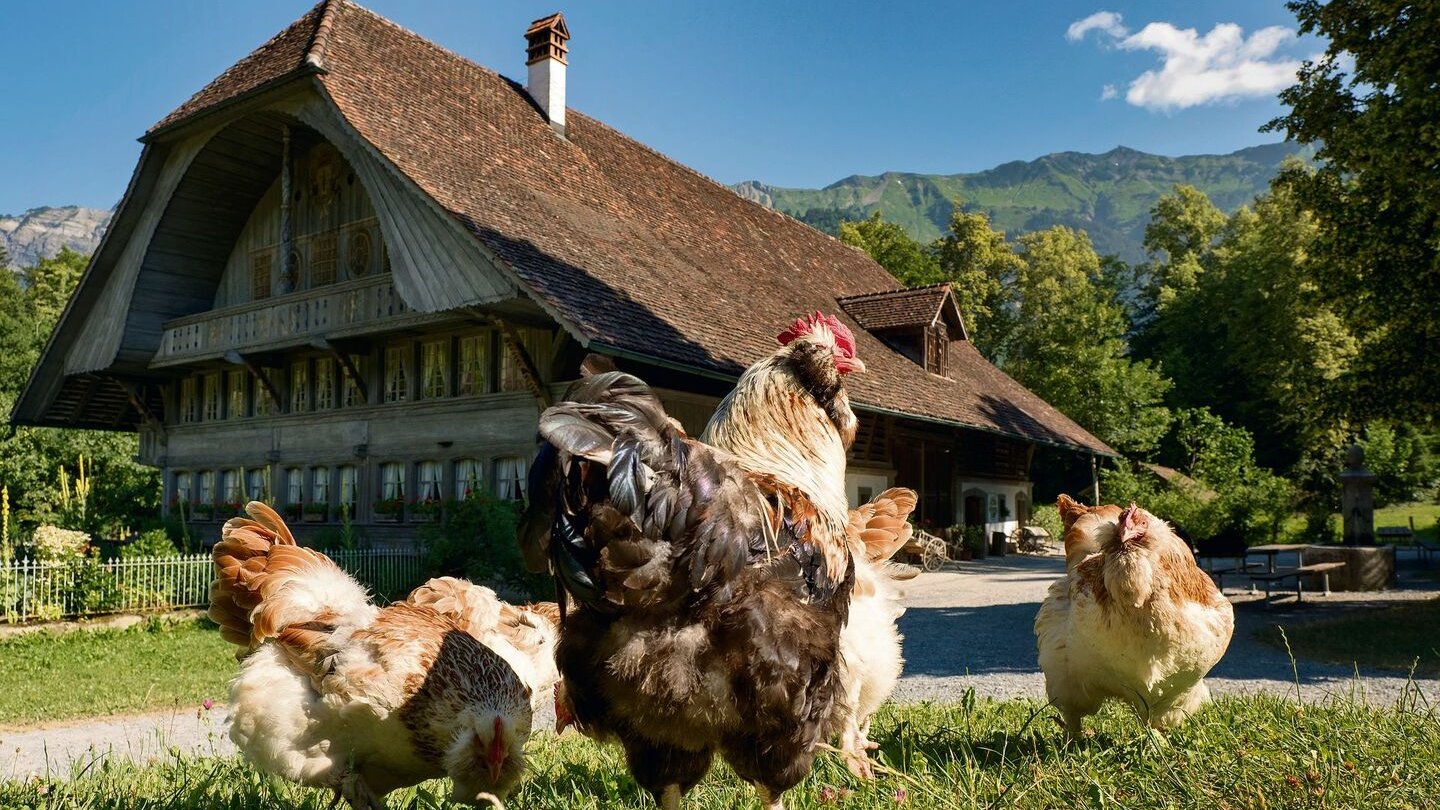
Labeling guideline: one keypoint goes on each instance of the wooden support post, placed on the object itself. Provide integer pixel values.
(526, 364)
(287, 227)
(353, 374)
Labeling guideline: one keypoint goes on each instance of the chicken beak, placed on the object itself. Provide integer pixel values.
(849, 365)
(495, 754)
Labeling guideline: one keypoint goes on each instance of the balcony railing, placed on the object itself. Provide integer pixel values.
(335, 311)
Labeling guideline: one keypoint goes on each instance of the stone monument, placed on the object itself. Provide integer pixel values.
(1357, 499)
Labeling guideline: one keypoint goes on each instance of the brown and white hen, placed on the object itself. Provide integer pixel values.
(1133, 619)
(335, 692)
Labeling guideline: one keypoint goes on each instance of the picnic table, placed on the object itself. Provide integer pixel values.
(1273, 550)
(1272, 577)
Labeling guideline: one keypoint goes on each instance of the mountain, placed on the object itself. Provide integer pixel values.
(1108, 195)
(41, 232)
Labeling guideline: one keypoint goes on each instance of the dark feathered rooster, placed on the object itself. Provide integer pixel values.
(710, 599)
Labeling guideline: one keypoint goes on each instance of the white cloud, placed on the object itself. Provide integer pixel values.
(1108, 92)
(1107, 21)
(1219, 66)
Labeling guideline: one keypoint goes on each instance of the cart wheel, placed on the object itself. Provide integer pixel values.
(933, 562)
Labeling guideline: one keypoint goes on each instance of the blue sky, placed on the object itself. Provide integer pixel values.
(794, 94)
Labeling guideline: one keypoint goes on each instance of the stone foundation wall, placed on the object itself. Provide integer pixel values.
(1367, 568)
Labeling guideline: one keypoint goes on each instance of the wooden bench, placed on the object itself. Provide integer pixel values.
(1298, 574)
(1426, 550)
(1239, 566)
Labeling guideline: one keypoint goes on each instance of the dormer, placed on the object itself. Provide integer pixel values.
(919, 322)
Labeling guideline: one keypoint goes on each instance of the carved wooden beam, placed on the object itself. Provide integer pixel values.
(136, 395)
(526, 364)
(235, 358)
(346, 366)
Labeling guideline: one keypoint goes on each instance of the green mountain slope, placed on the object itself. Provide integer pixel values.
(1108, 195)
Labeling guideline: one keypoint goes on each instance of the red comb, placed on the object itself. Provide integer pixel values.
(844, 339)
(1134, 524)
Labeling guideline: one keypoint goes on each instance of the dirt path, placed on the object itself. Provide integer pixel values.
(52, 749)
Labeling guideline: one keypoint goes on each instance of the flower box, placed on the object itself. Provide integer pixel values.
(389, 510)
(317, 512)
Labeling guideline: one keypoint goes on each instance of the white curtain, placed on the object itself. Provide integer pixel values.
(467, 478)
(430, 481)
(510, 478)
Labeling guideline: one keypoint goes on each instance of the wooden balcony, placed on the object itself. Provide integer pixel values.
(348, 309)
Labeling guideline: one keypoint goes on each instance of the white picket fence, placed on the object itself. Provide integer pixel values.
(31, 590)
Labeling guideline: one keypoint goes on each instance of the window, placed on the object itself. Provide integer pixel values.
(352, 391)
(467, 478)
(392, 481)
(429, 480)
(230, 488)
(294, 486)
(212, 397)
(320, 485)
(937, 342)
(189, 403)
(264, 403)
(536, 343)
(994, 507)
(257, 483)
(474, 364)
(510, 478)
(322, 265)
(397, 373)
(435, 368)
(360, 253)
(324, 384)
(205, 488)
(300, 386)
(235, 389)
(260, 263)
(349, 487)
(182, 487)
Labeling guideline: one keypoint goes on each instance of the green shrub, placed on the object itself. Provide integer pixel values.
(1047, 517)
(475, 540)
(152, 543)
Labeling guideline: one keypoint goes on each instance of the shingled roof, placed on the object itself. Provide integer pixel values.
(634, 253)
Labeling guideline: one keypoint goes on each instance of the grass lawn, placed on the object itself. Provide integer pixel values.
(1255, 752)
(86, 673)
(1426, 515)
(1387, 638)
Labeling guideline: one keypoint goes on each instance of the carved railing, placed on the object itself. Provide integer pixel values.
(339, 310)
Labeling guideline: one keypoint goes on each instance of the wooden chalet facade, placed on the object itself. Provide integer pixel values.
(350, 271)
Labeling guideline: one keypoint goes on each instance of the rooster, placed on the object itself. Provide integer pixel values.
(1133, 619)
(335, 692)
(710, 599)
(746, 425)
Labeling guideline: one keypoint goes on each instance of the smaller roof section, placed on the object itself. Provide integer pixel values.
(914, 307)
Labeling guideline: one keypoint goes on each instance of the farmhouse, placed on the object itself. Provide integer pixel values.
(348, 272)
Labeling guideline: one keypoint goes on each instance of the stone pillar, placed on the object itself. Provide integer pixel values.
(1357, 500)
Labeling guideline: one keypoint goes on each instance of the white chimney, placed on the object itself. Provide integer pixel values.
(545, 52)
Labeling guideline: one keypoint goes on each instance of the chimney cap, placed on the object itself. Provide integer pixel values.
(546, 38)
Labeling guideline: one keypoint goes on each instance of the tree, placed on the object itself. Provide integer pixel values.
(892, 247)
(1250, 335)
(983, 268)
(1370, 103)
(1069, 346)
(1182, 229)
(124, 494)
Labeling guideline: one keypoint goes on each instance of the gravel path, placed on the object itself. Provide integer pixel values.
(969, 626)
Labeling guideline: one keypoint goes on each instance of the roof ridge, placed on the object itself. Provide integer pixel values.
(901, 291)
(320, 40)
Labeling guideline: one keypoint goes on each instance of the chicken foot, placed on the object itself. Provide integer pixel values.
(357, 794)
(768, 802)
